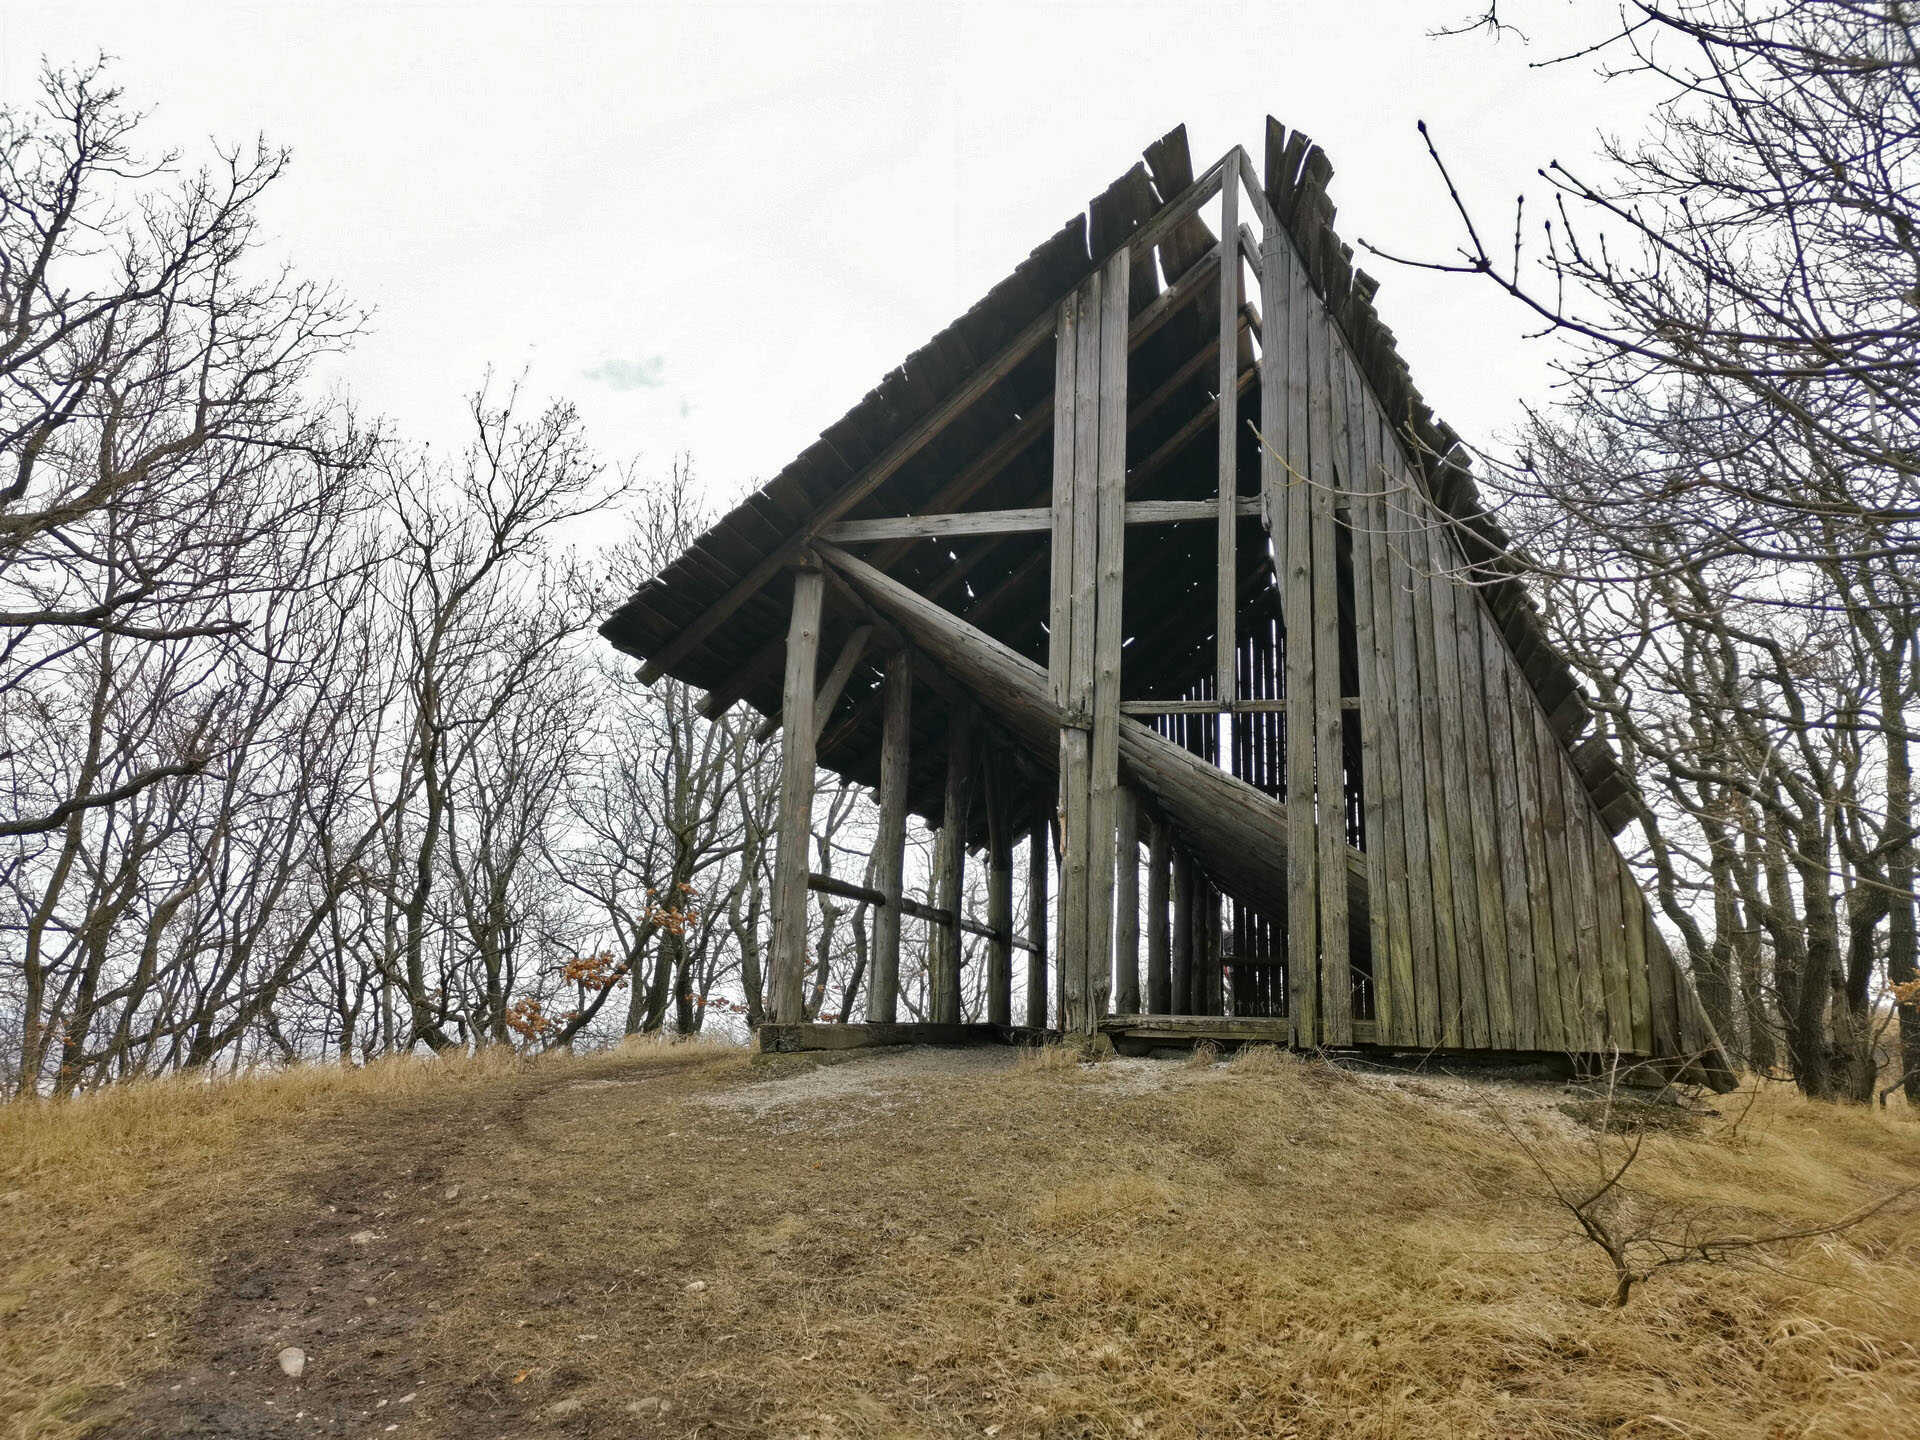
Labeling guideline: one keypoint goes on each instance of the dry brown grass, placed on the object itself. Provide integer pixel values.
(1265, 1247)
(102, 1199)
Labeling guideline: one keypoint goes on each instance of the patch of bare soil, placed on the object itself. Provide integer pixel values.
(319, 1301)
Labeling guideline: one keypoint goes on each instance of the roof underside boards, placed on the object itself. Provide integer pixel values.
(996, 453)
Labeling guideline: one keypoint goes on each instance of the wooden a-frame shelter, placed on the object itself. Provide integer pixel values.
(1287, 654)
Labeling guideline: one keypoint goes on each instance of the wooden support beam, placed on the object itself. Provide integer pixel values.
(999, 894)
(1181, 962)
(1030, 520)
(1126, 904)
(948, 880)
(933, 915)
(889, 843)
(1109, 494)
(1234, 828)
(1159, 996)
(1226, 569)
(1039, 860)
(1214, 707)
(793, 832)
(830, 689)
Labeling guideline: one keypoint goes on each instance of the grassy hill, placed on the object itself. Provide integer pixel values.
(679, 1241)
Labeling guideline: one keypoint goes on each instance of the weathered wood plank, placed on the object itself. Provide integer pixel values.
(1639, 992)
(1405, 594)
(1397, 1011)
(1524, 836)
(1586, 914)
(1553, 845)
(1303, 891)
(1442, 839)
(783, 1039)
(793, 829)
(1496, 968)
(889, 843)
(1329, 754)
(1612, 929)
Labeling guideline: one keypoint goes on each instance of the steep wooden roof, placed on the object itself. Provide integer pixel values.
(995, 452)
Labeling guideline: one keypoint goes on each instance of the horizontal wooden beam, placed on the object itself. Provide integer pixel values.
(1190, 1029)
(789, 1039)
(847, 890)
(960, 524)
(1217, 707)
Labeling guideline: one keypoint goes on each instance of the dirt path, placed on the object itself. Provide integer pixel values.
(351, 1264)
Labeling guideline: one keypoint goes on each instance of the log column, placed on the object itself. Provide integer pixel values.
(949, 871)
(1159, 996)
(793, 833)
(1089, 535)
(999, 895)
(1181, 966)
(889, 846)
(1038, 861)
(1126, 907)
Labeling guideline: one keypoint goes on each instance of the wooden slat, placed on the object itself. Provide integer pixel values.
(1639, 993)
(1488, 870)
(1548, 1026)
(1303, 900)
(1336, 983)
(1612, 949)
(1586, 918)
(793, 832)
(1443, 838)
(1395, 1006)
(1663, 1002)
(1553, 846)
(889, 842)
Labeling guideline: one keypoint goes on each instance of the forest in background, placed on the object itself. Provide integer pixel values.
(311, 750)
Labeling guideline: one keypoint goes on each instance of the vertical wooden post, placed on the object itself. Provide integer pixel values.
(1126, 906)
(949, 871)
(793, 834)
(1212, 981)
(1227, 426)
(889, 845)
(1181, 968)
(999, 896)
(1038, 861)
(1089, 539)
(1159, 995)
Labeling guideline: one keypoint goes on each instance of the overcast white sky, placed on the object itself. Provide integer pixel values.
(716, 226)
